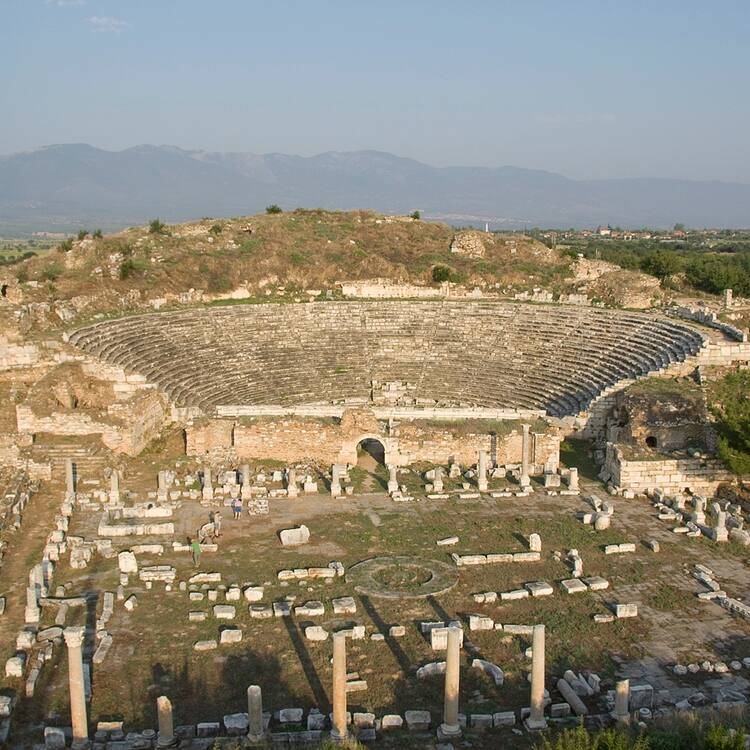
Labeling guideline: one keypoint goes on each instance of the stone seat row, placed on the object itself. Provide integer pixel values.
(488, 354)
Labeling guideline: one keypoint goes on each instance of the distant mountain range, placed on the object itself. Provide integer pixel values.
(73, 185)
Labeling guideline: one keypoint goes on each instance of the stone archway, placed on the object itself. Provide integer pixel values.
(372, 449)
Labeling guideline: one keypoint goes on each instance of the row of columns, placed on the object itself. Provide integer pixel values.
(450, 727)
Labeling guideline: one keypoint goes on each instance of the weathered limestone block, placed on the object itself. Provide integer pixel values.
(230, 635)
(224, 612)
(344, 606)
(573, 586)
(253, 593)
(294, 537)
(539, 588)
(316, 633)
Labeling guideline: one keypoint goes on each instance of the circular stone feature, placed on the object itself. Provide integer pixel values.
(402, 577)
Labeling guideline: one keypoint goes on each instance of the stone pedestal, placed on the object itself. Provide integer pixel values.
(573, 479)
(77, 687)
(291, 483)
(392, 479)
(114, 487)
(339, 730)
(622, 701)
(255, 733)
(450, 728)
(245, 493)
(208, 488)
(166, 736)
(335, 482)
(536, 718)
(720, 533)
(482, 471)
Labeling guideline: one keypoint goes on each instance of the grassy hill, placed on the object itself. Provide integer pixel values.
(273, 256)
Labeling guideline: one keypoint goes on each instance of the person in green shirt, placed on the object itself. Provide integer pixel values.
(195, 548)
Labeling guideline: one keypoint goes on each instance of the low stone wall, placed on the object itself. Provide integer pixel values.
(702, 476)
(725, 353)
(710, 319)
(387, 289)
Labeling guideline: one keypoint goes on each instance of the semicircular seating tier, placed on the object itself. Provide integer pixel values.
(452, 353)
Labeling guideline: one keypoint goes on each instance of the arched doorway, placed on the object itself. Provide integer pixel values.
(370, 453)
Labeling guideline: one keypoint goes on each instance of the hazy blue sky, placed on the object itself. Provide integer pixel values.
(588, 88)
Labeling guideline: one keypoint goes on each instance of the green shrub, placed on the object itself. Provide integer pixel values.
(127, 267)
(82, 234)
(273, 209)
(51, 272)
(581, 739)
(97, 235)
(731, 407)
(216, 229)
(218, 282)
(415, 215)
(156, 227)
(65, 246)
(441, 273)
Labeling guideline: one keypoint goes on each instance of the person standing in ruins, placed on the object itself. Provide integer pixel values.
(237, 510)
(195, 549)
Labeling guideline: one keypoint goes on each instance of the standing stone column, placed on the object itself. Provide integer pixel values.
(114, 487)
(728, 299)
(245, 493)
(166, 736)
(339, 730)
(392, 479)
(335, 483)
(255, 731)
(77, 687)
(208, 488)
(720, 533)
(70, 480)
(573, 479)
(450, 726)
(525, 481)
(482, 471)
(622, 701)
(291, 483)
(536, 718)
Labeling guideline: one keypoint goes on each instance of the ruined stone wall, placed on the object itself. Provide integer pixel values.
(133, 423)
(725, 353)
(18, 355)
(436, 445)
(144, 416)
(331, 441)
(702, 476)
(387, 289)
